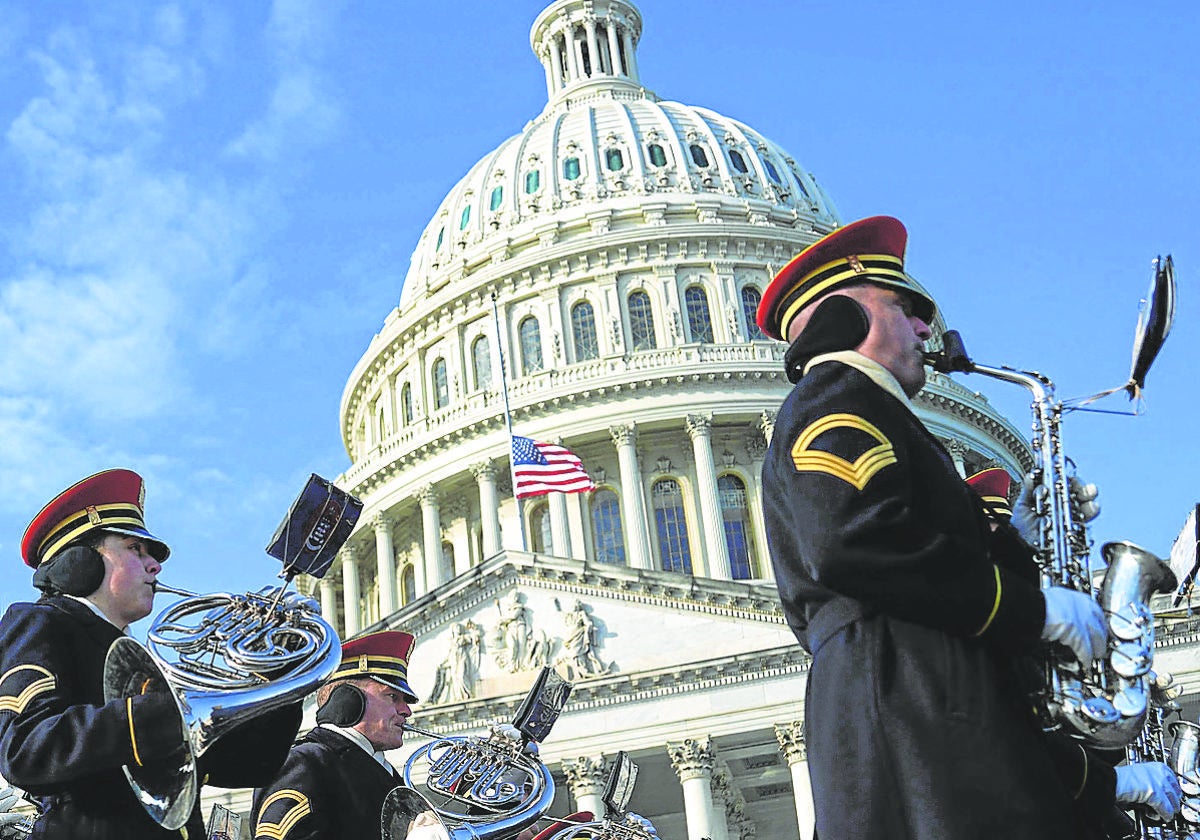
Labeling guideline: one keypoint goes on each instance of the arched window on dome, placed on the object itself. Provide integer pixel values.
(447, 566)
(441, 384)
(751, 297)
(735, 517)
(608, 537)
(408, 584)
(481, 363)
(772, 172)
(670, 524)
(700, 327)
(699, 156)
(441, 236)
(406, 403)
(531, 345)
(739, 162)
(465, 218)
(497, 198)
(800, 185)
(583, 331)
(641, 321)
(541, 535)
(533, 180)
(571, 170)
(614, 160)
(658, 157)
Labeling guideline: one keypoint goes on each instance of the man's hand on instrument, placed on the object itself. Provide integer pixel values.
(1150, 783)
(1026, 519)
(10, 797)
(1075, 620)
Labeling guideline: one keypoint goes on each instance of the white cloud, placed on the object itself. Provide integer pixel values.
(302, 110)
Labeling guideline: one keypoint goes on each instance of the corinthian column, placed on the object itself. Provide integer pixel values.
(431, 526)
(385, 565)
(791, 744)
(586, 776)
(693, 763)
(328, 601)
(699, 428)
(350, 590)
(489, 507)
(633, 507)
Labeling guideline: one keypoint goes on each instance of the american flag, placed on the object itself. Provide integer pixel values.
(540, 468)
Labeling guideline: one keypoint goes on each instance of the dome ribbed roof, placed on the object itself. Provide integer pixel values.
(604, 144)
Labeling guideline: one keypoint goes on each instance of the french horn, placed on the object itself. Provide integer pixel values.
(618, 822)
(480, 788)
(226, 658)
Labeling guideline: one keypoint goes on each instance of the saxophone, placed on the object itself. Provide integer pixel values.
(1103, 703)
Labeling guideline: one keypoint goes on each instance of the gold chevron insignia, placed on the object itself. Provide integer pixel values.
(17, 703)
(856, 473)
(279, 830)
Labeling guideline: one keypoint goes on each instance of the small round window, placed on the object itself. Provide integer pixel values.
(614, 159)
(699, 156)
(533, 180)
(571, 168)
(739, 162)
(657, 156)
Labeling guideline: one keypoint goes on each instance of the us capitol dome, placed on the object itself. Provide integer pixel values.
(608, 261)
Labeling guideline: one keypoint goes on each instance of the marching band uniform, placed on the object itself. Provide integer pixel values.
(59, 739)
(882, 559)
(334, 781)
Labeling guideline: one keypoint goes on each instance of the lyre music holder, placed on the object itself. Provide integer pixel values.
(316, 526)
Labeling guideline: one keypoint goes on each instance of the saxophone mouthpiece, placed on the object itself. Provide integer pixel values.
(952, 357)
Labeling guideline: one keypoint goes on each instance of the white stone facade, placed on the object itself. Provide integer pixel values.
(636, 234)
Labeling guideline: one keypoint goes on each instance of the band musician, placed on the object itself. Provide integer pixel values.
(96, 565)
(335, 779)
(882, 558)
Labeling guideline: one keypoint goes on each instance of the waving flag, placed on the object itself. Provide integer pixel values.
(540, 468)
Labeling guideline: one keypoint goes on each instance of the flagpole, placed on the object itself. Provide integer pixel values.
(512, 470)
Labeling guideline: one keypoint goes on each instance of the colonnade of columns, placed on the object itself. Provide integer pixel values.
(609, 45)
(713, 806)
(431, 571)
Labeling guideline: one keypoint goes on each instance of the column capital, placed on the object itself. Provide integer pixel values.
(586, 775)
(349, 554)
(791, 741)
(692, 758)
(380, 522)
(956, 447)
(484, 471)
(428, 495)
(624, 435)
(699, 425)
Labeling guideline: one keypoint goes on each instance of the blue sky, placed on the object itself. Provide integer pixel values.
(207, 209)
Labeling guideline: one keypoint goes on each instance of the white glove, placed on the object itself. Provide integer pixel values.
(1077, 621)
(1025, 517)
(1150, 783)
(1083, 500)
(10, 797)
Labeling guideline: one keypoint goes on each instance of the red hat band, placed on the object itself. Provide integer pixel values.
(382, 656)
(112, 500)
(867, 251)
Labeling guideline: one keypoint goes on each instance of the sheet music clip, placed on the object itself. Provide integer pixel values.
(619, 788)
(542, 705)
(316, 526)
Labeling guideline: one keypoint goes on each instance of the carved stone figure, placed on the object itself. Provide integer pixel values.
(458, 674)
(515, 645)
(578, 656)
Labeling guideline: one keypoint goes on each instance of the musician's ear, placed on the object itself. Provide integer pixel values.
(76, 570)
(345, 707)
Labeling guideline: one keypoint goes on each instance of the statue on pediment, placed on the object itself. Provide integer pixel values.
(578, 657)
(458, 674)
(515, 645)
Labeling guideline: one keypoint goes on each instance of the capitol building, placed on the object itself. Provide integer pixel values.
(605, 265)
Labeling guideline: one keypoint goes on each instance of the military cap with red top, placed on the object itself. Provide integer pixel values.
(380, 656)
(993, 486)
(111, 501)
(867, 251)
